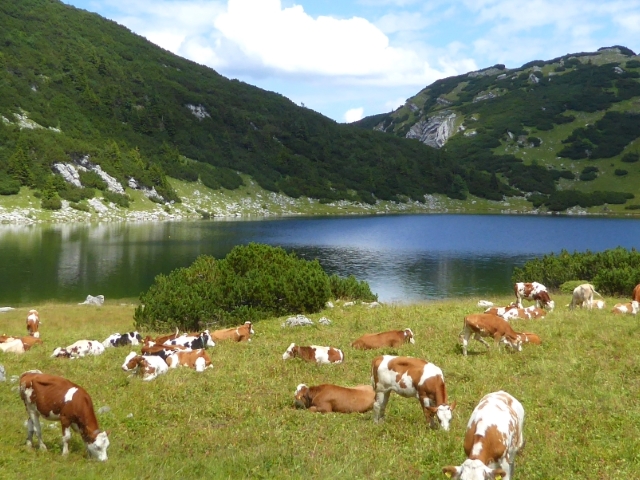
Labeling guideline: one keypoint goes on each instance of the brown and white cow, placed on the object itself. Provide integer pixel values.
(500, 311)
(486, 325)
(411, 378)
(199, 359)
(527, 337)
(623, 308)
(314, 353)
(7, 338)
(79, 349)
(193, 341)
(493, 439)
(147, 366)
(327, 398)
(583, 296)
(237, 334)
(524, 313)
(14, 345)
(534, 292)
(148, 341)
(393, 338)
(33, 323)
(29, 342)
(163, 351)
(636, 293)
(56, 398)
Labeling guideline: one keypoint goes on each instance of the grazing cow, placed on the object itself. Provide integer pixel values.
(494, 437)
(314, 353)
(501, 311)
(194, 342)
(332, 398)
(527, 337)
(122, 339)
(56, 398)
(393, 338)
(196, 359)
(29, 342)
(486, 325)
(534, 292)
(237, 334)
(524, 313)
(622, 308)
(583, 295)
(411, 378)
(33, 323)
(12, 346)
(147, 366)
(636, 293)
(79, 349)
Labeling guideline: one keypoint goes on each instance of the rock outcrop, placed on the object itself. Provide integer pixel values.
(434, 131)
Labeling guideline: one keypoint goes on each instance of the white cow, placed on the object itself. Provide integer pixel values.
(80, 349)
(583, 296)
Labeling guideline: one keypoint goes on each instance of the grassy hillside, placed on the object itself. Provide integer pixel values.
(579, 390)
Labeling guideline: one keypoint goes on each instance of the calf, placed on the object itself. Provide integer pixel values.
(203, 340)
(500, 311)
(122, 339)
(486, 325)
(6, 338)
(622, 308)
(56, 398)
(33, 323)
(162, 339)
(393, 338)
(79, 349)
(29, 342)
(494, 437)
(199, 359)
(332, 398)
(535, 292)
(237, 334)
(12, 346)
(583, 295)
(599, 304)
(411, 378)
(524, 313)
(527, 337)
(163, 351)
(314, 353)
(149, 367)
(636, 293)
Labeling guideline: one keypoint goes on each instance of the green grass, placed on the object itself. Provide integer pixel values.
(580, 391)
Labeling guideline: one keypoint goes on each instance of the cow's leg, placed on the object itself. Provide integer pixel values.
(380, 404)
(428, 415)
(66, 434)
(479, 338)
(507, 466)
(464, 335)
(34, 419)
(30, 430)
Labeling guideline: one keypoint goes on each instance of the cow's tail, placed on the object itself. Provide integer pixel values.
(594, 291)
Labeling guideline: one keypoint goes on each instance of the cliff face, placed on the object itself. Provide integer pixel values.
(434, 131)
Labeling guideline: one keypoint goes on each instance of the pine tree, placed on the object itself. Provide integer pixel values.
(19, 167)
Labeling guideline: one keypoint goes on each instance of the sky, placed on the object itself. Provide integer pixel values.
(352, 58)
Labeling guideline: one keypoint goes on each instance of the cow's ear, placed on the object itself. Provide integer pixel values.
(432, 409)
(451, 472)
(498, 473)
(453, 405)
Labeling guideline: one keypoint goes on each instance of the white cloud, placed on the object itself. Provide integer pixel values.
(354, 114)
(630, 22)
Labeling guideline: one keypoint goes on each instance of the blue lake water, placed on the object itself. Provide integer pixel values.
(405, 258)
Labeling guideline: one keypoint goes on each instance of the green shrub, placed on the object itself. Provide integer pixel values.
(75, 194)
(120, 199)
(252, 282)
(620, 172)
(52, 203)
(80, 206)
(91, 179)
(350, 288)
(630, 157)
(635, 206)
(567, 287)
(9, 186)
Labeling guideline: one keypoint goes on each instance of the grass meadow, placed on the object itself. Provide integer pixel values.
(580, 390)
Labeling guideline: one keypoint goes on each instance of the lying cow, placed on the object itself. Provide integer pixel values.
(147, 366)
(411, 378)
(500, 311)
(237, 334)
(599, 304)
(583, 296)
(163, 351)
(486, 325)
(7, 338)
(623, 308)
(527, 337)
(524, 313)
(122, 339)
(332, 398)
(494, 437)
(314, 353)
(194, 342)
(199, 360)
(534, 292)
(29, 342)
(33, 323)
(162, 339)
(79, 349)
(14, 345)
(56, 398)
(393, 338)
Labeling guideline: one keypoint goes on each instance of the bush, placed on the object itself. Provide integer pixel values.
(91, 179)
(52, 203)
(9, 186)
(567, 287)
(620, 172)
(630, 157)
(252, 282)
(120, 199)
(80, 206)
(351, 289)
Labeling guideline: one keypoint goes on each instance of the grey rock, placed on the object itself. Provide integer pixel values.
(297, 321)
(91, 300)
(104, 409)
(434, 131)
(324, 321)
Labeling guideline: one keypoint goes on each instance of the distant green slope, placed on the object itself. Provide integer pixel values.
(141, 112)
(562, 129)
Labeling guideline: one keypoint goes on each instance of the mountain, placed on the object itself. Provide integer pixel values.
(85, 99)
(563, 131)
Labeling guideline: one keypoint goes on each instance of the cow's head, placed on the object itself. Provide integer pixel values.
(130, 362)
(473, 470)
(513, 342)
(61, 352)
(207, 340)
(98, 449)
(408, 335)
(302, 399)
(444, 415)
(290, 352)
(250, 327)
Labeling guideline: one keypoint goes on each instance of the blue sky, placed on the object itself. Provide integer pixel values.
(352, 58)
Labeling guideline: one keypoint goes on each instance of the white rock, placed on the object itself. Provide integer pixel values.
(91, 300)
(297, 321)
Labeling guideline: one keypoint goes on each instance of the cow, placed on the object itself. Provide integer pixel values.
(6, 338)
(527, 337)
(500, 311)
(147, 366)
(534, 292)
(122, 339)
(162, 339)
(411, 378)
(163, 351)
(636, 293)
(29, 342)
(314, 353)
(79, 349)
(328, 398)
(194, 342)
(56, 398)
(599, 304)
(494, 437)
(622, 308)
(487, 325)
(199, 359)
(12, 346)
(524, 313)
(237, 334)
(393, 338)
(33, 323)
(583, 295)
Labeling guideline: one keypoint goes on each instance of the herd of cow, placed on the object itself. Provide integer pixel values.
(494, 431)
